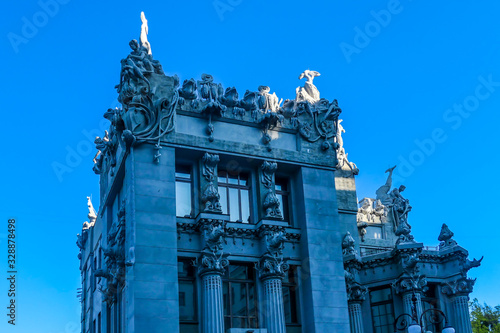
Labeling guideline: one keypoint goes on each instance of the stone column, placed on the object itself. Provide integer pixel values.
(408, 303)
(462, 317)
(212, 316)
(272, 269)
(355, 317)
(355, 296)
(211, 268)
(274, 315)
(458, 291)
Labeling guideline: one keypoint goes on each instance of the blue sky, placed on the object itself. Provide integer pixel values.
(418, 82)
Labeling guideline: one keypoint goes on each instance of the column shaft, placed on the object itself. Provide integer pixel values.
(407, 302)
(274, 316)
(213, 315)
(461, 314)
(355, 317)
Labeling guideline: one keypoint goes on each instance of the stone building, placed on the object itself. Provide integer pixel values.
(226, 214)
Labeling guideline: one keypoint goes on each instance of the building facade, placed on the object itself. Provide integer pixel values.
(226, 214)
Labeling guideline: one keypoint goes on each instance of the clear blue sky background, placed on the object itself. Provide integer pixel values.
(396, 89)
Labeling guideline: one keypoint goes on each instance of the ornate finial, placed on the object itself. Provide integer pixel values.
(144, 33)
(446, 237)
(348, 244)
(308, 92)
(92, 215)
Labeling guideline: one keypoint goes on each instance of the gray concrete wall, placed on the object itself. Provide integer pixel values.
(324, 300)
(152, 280)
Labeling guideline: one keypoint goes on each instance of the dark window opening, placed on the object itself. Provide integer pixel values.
(187, 292)
(290, 299)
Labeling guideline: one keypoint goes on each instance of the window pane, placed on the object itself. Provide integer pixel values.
(183, 198)
(240, 322)
(245, 206)
(239, 299)
(186, 300)
(244, 179)
(233, 179)
(222, 177)
(223, 199)
(287, 305)
(238, 272)
(234, 209)
(252, 309)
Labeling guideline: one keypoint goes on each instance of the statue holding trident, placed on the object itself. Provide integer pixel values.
(144, 34)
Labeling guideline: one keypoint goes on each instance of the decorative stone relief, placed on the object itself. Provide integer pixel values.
(409, 284)
(308, 92)
(467, 265)
(462, 286)
(214, 238)
(210, 197)
(211, 93)
(142, 81)
(272, 264)
(446, 237)
(356, 292)
(404, 233)
(212, 263)
(270, 202)
(348, 245)
(371, 211)
(114, 258)
(343, 161)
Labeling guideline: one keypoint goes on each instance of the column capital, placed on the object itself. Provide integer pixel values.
(271, 266)
(212, 263)
(356, 293)
(460, 287)
(407, 284)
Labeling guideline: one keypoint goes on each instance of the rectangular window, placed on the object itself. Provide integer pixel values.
(187, 296)
(374, 232)
(240, 297)
(183, 192)
(234, 190)
(382, 310)
(290, 300)
(283, 194)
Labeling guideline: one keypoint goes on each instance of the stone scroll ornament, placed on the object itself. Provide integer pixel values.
(148, 97)
(270, 204)
(210, 197)
(272, 263)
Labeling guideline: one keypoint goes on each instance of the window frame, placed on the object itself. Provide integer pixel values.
(226, 186)
(228, 281)
(285, 197)
(184, 170)
(293, 285)
(192, 280)
(373, 304)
